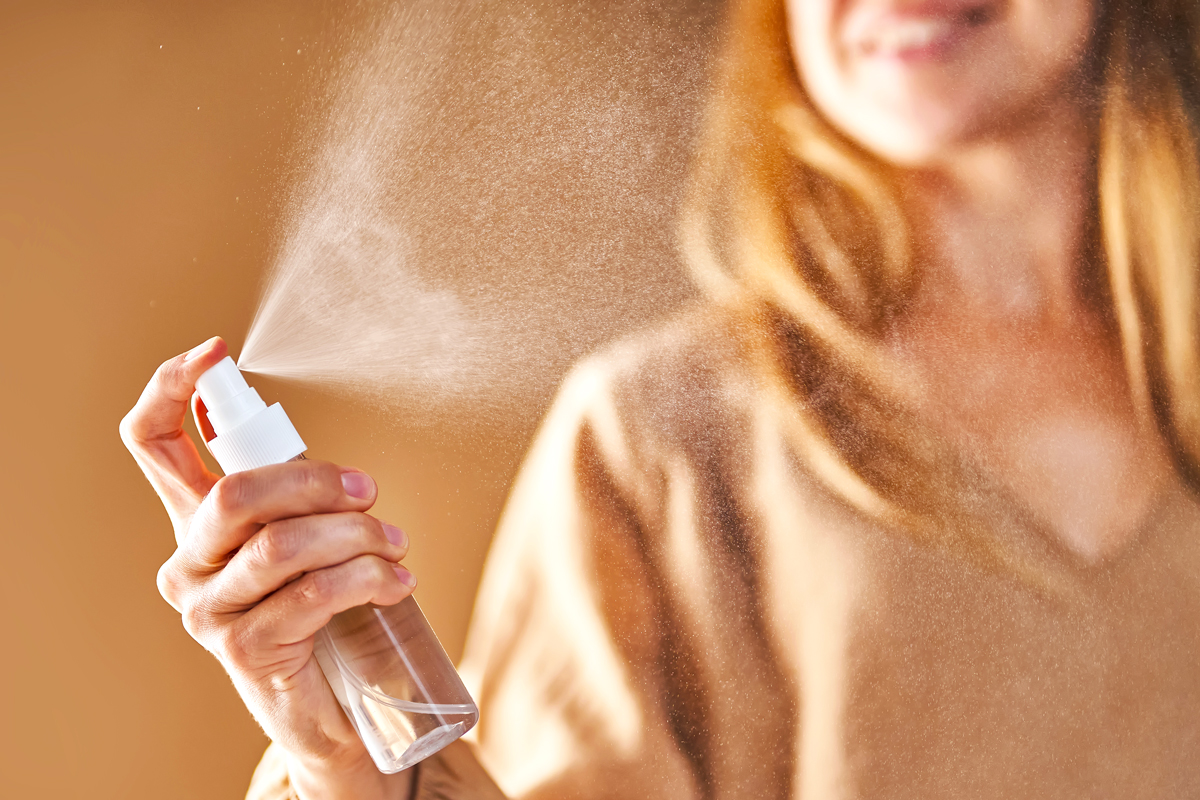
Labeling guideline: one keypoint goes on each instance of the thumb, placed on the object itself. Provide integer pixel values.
(153, 432)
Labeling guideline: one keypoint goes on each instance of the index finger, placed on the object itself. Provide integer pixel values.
(153, 432)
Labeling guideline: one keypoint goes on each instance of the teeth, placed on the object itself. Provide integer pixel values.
(904, 36)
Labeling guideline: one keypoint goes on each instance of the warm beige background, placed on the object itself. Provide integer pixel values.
(143, 150)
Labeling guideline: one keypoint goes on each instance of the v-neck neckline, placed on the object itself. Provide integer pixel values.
(1135, 538)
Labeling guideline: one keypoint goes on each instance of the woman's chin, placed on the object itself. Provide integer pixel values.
(911, 146)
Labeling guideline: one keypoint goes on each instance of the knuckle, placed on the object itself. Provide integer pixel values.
(319, 480)
(381, 572)
(134, 425)
(195, 621)
(128, 430)
(276, 543)
(365, 528)
(231, 494)
(168, 583)
(316, 588)
(201, 624)
(164, 375)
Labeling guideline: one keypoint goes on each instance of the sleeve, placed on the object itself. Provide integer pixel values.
(452, 774)
(564, 654)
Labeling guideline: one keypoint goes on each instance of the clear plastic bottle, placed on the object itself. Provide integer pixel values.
(384, 663)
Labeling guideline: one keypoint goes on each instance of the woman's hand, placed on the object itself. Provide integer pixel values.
(265, 558)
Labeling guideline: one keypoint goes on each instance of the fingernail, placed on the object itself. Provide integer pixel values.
(406, 577)
(199, 350)
(395, 535)
(358, 484)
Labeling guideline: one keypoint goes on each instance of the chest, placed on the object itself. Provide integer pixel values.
(960, 685)
(1050, 419)
(920, 675)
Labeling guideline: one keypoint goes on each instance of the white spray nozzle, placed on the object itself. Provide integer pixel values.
(229, 399)
(249, 434)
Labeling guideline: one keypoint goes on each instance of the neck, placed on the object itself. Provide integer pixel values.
(999, 226)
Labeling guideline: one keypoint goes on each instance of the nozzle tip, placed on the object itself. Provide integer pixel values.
(220, 382)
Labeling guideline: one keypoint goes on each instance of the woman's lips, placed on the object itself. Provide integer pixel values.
(913, 34)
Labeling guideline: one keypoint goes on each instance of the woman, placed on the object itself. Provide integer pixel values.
(904, 508)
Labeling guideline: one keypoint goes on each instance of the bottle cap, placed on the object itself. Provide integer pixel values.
(249, 434)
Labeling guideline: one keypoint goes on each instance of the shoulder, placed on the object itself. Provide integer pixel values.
(681, 386)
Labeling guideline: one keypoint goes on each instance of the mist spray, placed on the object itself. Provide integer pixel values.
(384, 663)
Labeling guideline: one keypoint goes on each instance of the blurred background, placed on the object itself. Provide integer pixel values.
(146, 155)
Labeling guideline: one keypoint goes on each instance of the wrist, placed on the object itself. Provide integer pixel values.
(359, 780)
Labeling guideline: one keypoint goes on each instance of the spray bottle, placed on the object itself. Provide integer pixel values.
(384, 663)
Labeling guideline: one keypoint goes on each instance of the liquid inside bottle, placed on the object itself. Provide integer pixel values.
(395, 682)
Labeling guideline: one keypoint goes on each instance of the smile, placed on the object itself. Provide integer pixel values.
(925, 34)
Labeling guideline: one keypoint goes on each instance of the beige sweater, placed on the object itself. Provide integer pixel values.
(674, 608)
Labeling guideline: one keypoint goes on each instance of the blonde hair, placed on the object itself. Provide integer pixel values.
(796, 233)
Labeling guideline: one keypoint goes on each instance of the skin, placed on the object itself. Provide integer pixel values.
(992, 138)
(992, 141)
